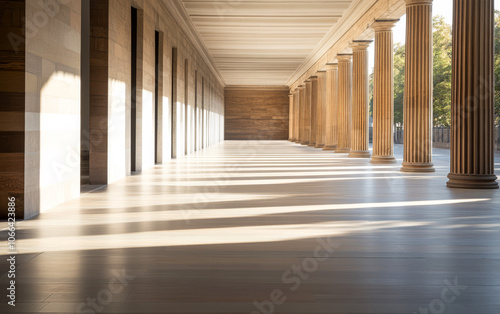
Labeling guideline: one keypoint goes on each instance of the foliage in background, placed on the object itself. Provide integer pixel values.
(497, 67)
(442, 72)
(442, 42)
(399, 83)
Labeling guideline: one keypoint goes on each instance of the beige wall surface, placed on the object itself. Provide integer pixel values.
(52, 163)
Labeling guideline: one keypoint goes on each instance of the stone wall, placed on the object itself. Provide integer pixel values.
(52, 163)
(40, 83)
(256, 113)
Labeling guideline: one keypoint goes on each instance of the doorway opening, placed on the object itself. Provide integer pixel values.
(133, 105)
(173, 105)
(195, 120)
(157, 98)
(186, 107)
(85, 96)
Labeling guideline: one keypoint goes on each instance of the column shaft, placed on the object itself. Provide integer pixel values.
(472, 155)
(360, 114)
(314, 109)
(290, 116)
(383, 94)
(296, 115)
(302, 112)
(418, 88)
(307, 112)
(332, 79)
(320, 112)
(344, 103)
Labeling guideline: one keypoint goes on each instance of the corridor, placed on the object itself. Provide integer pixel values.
(265, 227)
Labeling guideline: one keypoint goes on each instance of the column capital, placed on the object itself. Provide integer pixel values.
(343, 57)
(357, 45)
(321, 73)
(383, 25)
(300, 87)
(312, 78)
(418, 2)
(332, 66)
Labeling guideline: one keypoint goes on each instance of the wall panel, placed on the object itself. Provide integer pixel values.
(256, 113)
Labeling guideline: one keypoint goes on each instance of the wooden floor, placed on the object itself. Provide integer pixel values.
(243, 223)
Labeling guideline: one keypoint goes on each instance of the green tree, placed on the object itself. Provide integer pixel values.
(497, 67)
(442, 75)
(399, 82)
(442, 71)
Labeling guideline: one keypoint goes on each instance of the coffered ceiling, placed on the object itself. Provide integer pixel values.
(257, 42)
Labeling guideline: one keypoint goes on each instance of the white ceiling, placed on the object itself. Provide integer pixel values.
(258, 42)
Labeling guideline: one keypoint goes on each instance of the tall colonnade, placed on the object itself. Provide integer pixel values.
(329, 109)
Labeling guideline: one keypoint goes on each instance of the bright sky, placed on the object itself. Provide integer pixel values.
(439, 7)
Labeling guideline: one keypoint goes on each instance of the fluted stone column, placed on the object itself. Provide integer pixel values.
(383, 93)
(307, 112)
(360, 91)
(320, 112)
(332, 81)
(417, 155)
(314, 109)
(302, 112)
(472, 155)
(290, 116)
(344, 103)
(296, 115)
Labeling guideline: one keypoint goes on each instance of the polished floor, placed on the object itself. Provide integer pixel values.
(265, 227)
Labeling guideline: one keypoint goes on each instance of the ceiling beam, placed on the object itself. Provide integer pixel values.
(180, 15)
(354, 25)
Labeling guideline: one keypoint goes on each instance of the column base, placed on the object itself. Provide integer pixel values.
(342, 150)
(298, 141)
(319, 146)
(418, 167)
(291, 140)
(383, 160)
(360, 154)
(472, 181)
(330, 147)
(311, 144)
(304, 143)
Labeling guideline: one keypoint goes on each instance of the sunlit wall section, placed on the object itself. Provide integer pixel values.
(118, 88)
(148, 129)
(179, 116)
(190, 109)
(220, 101)
(211, 116)
(52, 142)
(148, 89)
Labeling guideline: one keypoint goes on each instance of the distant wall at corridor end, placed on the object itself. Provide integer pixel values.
(256, 112)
